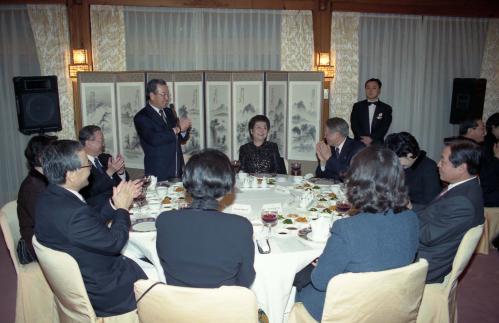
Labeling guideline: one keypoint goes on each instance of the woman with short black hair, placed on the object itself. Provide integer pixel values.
(31, 187)
(201, 246)
(421, 172)
(382, 235)
(260, 155)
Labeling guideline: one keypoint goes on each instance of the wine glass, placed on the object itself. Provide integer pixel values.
(295, 168)
(236, 166)
(343, 206)
(269, 219)
(146, 181)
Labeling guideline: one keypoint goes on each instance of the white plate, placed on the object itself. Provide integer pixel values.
(144, 225)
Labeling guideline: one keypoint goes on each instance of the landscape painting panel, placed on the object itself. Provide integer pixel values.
(247, 102)
(98, 108)
(218, 116)
(189, 104)
(276, 112)
(304, 119)
(130, 99)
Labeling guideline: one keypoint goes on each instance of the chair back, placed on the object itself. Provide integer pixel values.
(64, 277)
(385, 296)
(164, 303)
(463, 256)
(10, 228)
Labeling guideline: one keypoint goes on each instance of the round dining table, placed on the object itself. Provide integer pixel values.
(289, 251)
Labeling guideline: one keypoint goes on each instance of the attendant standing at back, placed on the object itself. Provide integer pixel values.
(161, 133)
(370, 119)
(201, 246)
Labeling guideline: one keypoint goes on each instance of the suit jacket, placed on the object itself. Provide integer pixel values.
(100, 186)
(29, 192)
(443, 223)
(222, 252)
(423, 181)
(489, 173)
(65, 223)
(382, 119)
(337, 165)
(362, 243)
(163, 156)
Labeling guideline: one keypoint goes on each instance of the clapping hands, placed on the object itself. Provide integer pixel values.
(125, 192)
(116, 164)
(323, 151)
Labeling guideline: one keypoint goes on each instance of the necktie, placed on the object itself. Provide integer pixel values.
(372, 109)
(98, 165)
(163, 116)
(337, 152)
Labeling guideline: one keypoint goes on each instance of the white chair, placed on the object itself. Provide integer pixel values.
(64, 277)
(34, 301)
(389, 296)
(164, 303)
(439, 300)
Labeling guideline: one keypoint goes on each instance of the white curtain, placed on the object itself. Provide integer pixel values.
(417, 59)
(17, 58)
(108, 38)
(297, 40)
(345, 50)
(196, 39)
(490, 69)
(51, 32)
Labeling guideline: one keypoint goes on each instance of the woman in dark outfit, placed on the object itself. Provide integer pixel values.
(201, 246)
(31, 187)
(421, 173)
(260, 155)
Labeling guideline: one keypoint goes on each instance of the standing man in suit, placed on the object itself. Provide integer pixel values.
(443, 222)
(106, 172)
(161, 133)
(334, 163)
(371, 118)
(65, 222)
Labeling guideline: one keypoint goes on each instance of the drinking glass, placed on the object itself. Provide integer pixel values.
(296, 169)
(236, 166)
(343, 206)
(269, 219)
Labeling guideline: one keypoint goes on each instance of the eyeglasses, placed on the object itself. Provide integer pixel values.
(88, 165)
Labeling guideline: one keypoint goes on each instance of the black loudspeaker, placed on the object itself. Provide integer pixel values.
(468, 96)
(37, 102)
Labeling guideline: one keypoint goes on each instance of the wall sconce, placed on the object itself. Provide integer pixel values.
(80, 62)
(323, 64)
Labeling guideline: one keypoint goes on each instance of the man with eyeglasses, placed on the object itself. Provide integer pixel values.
(161, 133)
(65, 222)
(106, 172)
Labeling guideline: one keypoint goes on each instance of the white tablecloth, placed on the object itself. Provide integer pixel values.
(274, 272)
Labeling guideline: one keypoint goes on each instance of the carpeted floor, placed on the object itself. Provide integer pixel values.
(478, 290)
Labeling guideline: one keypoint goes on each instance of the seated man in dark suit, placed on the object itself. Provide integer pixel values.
(443, 222)
(334, 163)
(66, 223)
(371, 118)
(106, 172)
